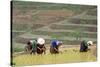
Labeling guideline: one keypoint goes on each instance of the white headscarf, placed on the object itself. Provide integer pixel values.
(90, 42)
(40, 41)
(59, 42)
(31, 41)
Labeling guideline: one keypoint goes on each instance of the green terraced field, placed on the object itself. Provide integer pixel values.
(66, 22)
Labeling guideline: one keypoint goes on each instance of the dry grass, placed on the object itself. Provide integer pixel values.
(69, 55)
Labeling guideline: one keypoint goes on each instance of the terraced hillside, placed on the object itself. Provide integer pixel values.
(66, 22)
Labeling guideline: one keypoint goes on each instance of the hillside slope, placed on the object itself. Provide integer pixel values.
(66, 22)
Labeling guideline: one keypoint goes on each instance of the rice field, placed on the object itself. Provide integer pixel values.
(53, 21)
(68, 55)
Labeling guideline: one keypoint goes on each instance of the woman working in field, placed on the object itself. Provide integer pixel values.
(31, 46)
(34, 46)
(41, 46)
(84, 46)
(54, 48)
